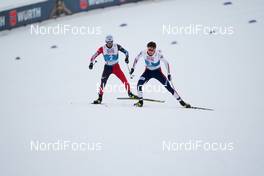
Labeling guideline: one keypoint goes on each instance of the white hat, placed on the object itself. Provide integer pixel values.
(109, 38)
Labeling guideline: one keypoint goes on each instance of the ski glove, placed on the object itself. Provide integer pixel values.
(126, 60)
(91, 66)
(169, 77)
(131, 71)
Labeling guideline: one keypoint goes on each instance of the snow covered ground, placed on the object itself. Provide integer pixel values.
(46, 94)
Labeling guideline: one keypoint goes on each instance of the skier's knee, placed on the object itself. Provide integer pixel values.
(139, 85)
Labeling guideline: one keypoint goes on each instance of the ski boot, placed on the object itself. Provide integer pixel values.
(99, 100)
(139, 103)
(131, 95)
(186, 105)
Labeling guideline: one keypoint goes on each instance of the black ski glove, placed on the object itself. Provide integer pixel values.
(131, 71)
(169, 77)
(91, 66)
(126, 59)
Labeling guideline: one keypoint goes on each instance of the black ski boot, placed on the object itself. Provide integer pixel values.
(131, 95)
(186, 105)
(139, 103)
(99, 100)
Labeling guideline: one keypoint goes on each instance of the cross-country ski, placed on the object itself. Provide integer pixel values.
(145, 99)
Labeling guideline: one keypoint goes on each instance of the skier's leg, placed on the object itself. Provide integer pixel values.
(145, 77)
(165, 82)
(106, 73)
(119, 73)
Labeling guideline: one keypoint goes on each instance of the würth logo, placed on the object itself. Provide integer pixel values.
(2, 21)
(84, 4)
(13, 18)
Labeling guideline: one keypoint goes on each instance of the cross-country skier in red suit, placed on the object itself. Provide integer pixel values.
(110, 52)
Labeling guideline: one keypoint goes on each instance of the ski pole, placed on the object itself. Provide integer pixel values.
(172, 85)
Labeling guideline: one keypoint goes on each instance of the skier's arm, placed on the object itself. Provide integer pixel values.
(135, 63)
(136, 60)
(120, 48)
(98, 52)
(123, 50)
(166, 63)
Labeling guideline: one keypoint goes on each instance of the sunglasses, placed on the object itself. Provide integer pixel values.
(151, 50)
(109, 42)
